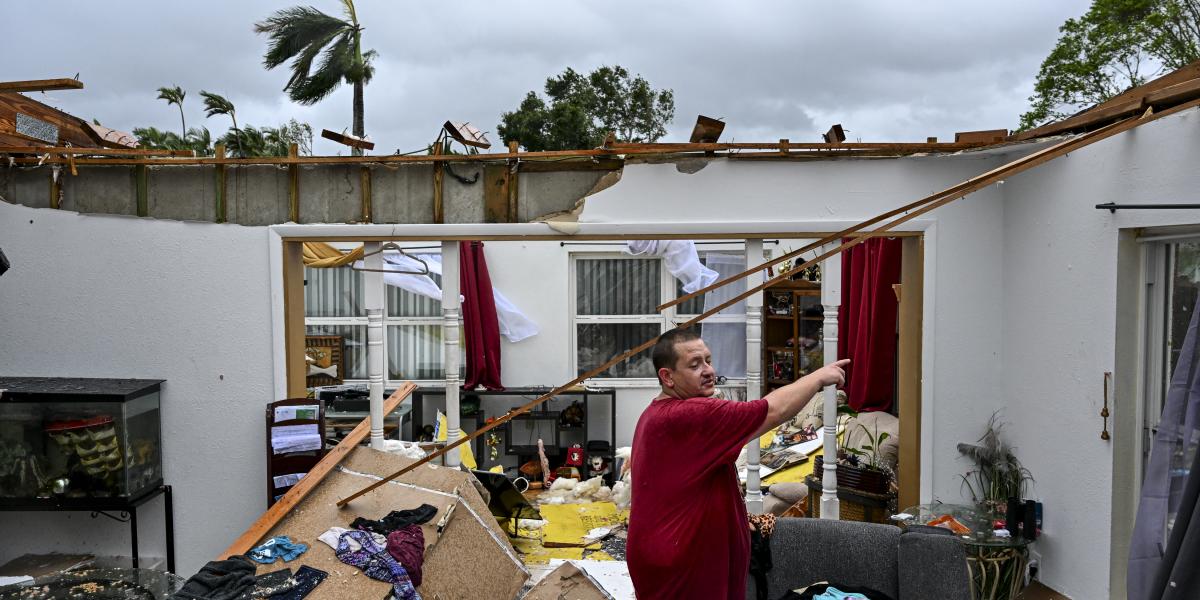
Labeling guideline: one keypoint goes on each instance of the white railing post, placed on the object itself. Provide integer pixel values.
(754, 254)
(450, 339)
(373, 299)
(831, 298)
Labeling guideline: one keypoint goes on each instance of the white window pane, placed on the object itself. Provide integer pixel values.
(597, 343)
(354, 338)
(617, 286)
(333, 292)
(415, 352)
(403, 303)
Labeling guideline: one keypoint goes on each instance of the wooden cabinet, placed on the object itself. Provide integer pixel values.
(791, 333)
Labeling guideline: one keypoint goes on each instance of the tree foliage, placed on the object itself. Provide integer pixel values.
(245, 142)
(198, 140)
(582, 109)
(301, 34)
(1116, 45)
(174, 95)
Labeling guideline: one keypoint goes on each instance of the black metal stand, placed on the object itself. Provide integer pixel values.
(126, 507)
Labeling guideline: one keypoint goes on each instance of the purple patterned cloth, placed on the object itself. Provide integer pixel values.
(376, 563)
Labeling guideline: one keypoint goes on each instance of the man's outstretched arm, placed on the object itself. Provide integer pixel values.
(785, 402)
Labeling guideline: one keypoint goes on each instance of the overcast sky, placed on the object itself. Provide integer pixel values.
(887, 71)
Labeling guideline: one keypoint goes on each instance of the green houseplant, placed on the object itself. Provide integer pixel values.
(996, 474)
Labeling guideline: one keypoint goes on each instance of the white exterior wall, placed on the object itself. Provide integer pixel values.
(1059, 320)
(98, 296)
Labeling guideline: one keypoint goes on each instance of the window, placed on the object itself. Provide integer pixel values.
(615, 297)
(333, 302)
(1173, 286)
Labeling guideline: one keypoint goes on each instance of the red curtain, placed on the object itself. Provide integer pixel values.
(481, 329)
(867, 322)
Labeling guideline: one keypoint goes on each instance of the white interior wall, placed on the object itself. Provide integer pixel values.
(1059, 320)
(102, 296)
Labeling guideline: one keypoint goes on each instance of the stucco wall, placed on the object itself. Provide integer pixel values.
(1059, 315)
(99, 296)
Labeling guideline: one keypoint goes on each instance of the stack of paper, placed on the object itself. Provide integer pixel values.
(295, 438)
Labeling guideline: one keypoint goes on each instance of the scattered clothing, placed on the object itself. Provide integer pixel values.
(307, 579)
(219, 580)
(333, 534)
(826, 591)
(376, 563)
(407, 546)
(268, 585)
(761, 528)
(277, 547)
(678, 547)
(396, 519)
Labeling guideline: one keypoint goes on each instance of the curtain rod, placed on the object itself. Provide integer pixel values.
(623, 243)
(1114, 207)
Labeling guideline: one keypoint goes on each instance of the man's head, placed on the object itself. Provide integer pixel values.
(684, 365)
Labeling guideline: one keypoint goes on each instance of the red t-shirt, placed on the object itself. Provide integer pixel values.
(688, 536)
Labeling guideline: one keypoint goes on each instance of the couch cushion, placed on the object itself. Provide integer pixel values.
(933, 566)
(807, 551)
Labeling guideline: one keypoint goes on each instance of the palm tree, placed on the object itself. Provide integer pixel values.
(217, 105)
(301, 33)
(152, 137)
(199, 140)
(174, 95)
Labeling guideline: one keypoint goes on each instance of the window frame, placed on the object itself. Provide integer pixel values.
(668, 319)
(388, 321)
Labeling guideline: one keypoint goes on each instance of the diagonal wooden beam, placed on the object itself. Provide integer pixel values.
(41, 85)
(925, 205)
(309, 482)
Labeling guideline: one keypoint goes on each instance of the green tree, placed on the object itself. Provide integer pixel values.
(157, 139)
(174, 95)
(300, 34)
(269, 141)
(215, 104)
(583, 109)
(1116, 45)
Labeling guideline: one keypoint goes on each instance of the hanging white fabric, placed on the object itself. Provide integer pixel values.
(513, 324)
(681, 258)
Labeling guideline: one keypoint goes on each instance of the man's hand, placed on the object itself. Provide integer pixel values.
(834, 374)
(785, 402)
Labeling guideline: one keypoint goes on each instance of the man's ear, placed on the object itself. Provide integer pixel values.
(664, 378)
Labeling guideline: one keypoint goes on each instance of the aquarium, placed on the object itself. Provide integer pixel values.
(64, 438)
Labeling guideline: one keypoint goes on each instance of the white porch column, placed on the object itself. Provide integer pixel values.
(754, 253)
(831, 298)
(373, 299)
(450, 337)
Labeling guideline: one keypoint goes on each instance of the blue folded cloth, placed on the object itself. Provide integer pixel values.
(832, 593)
(276, 547)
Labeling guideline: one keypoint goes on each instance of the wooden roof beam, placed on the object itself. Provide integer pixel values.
(41, 85)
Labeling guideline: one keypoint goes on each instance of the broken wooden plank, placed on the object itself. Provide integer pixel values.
(41, 85)
(986, 136)
(309, 482)
(219, 184)
(74, 151)
(347, 140)
(495, 193)
(568, 582)
(293, 185)
(707, 130)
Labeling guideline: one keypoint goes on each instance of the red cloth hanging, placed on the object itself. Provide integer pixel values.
(481, 329)
(867, 322)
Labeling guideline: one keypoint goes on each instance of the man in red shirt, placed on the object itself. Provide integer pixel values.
(688, 536)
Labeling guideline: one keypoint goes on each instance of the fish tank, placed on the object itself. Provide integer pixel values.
(64, 439)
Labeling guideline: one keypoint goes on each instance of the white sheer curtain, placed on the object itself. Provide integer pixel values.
(727, 340)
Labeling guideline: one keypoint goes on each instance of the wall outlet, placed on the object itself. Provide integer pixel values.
(1035, 565)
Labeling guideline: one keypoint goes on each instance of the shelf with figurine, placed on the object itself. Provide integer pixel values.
(792, 329)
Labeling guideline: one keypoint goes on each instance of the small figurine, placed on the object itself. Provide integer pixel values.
(598, 467)
(572, 416)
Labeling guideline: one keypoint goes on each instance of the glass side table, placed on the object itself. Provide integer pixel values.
(996, 564)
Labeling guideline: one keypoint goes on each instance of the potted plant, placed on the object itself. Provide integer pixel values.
(861, 468)
(996, 475)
